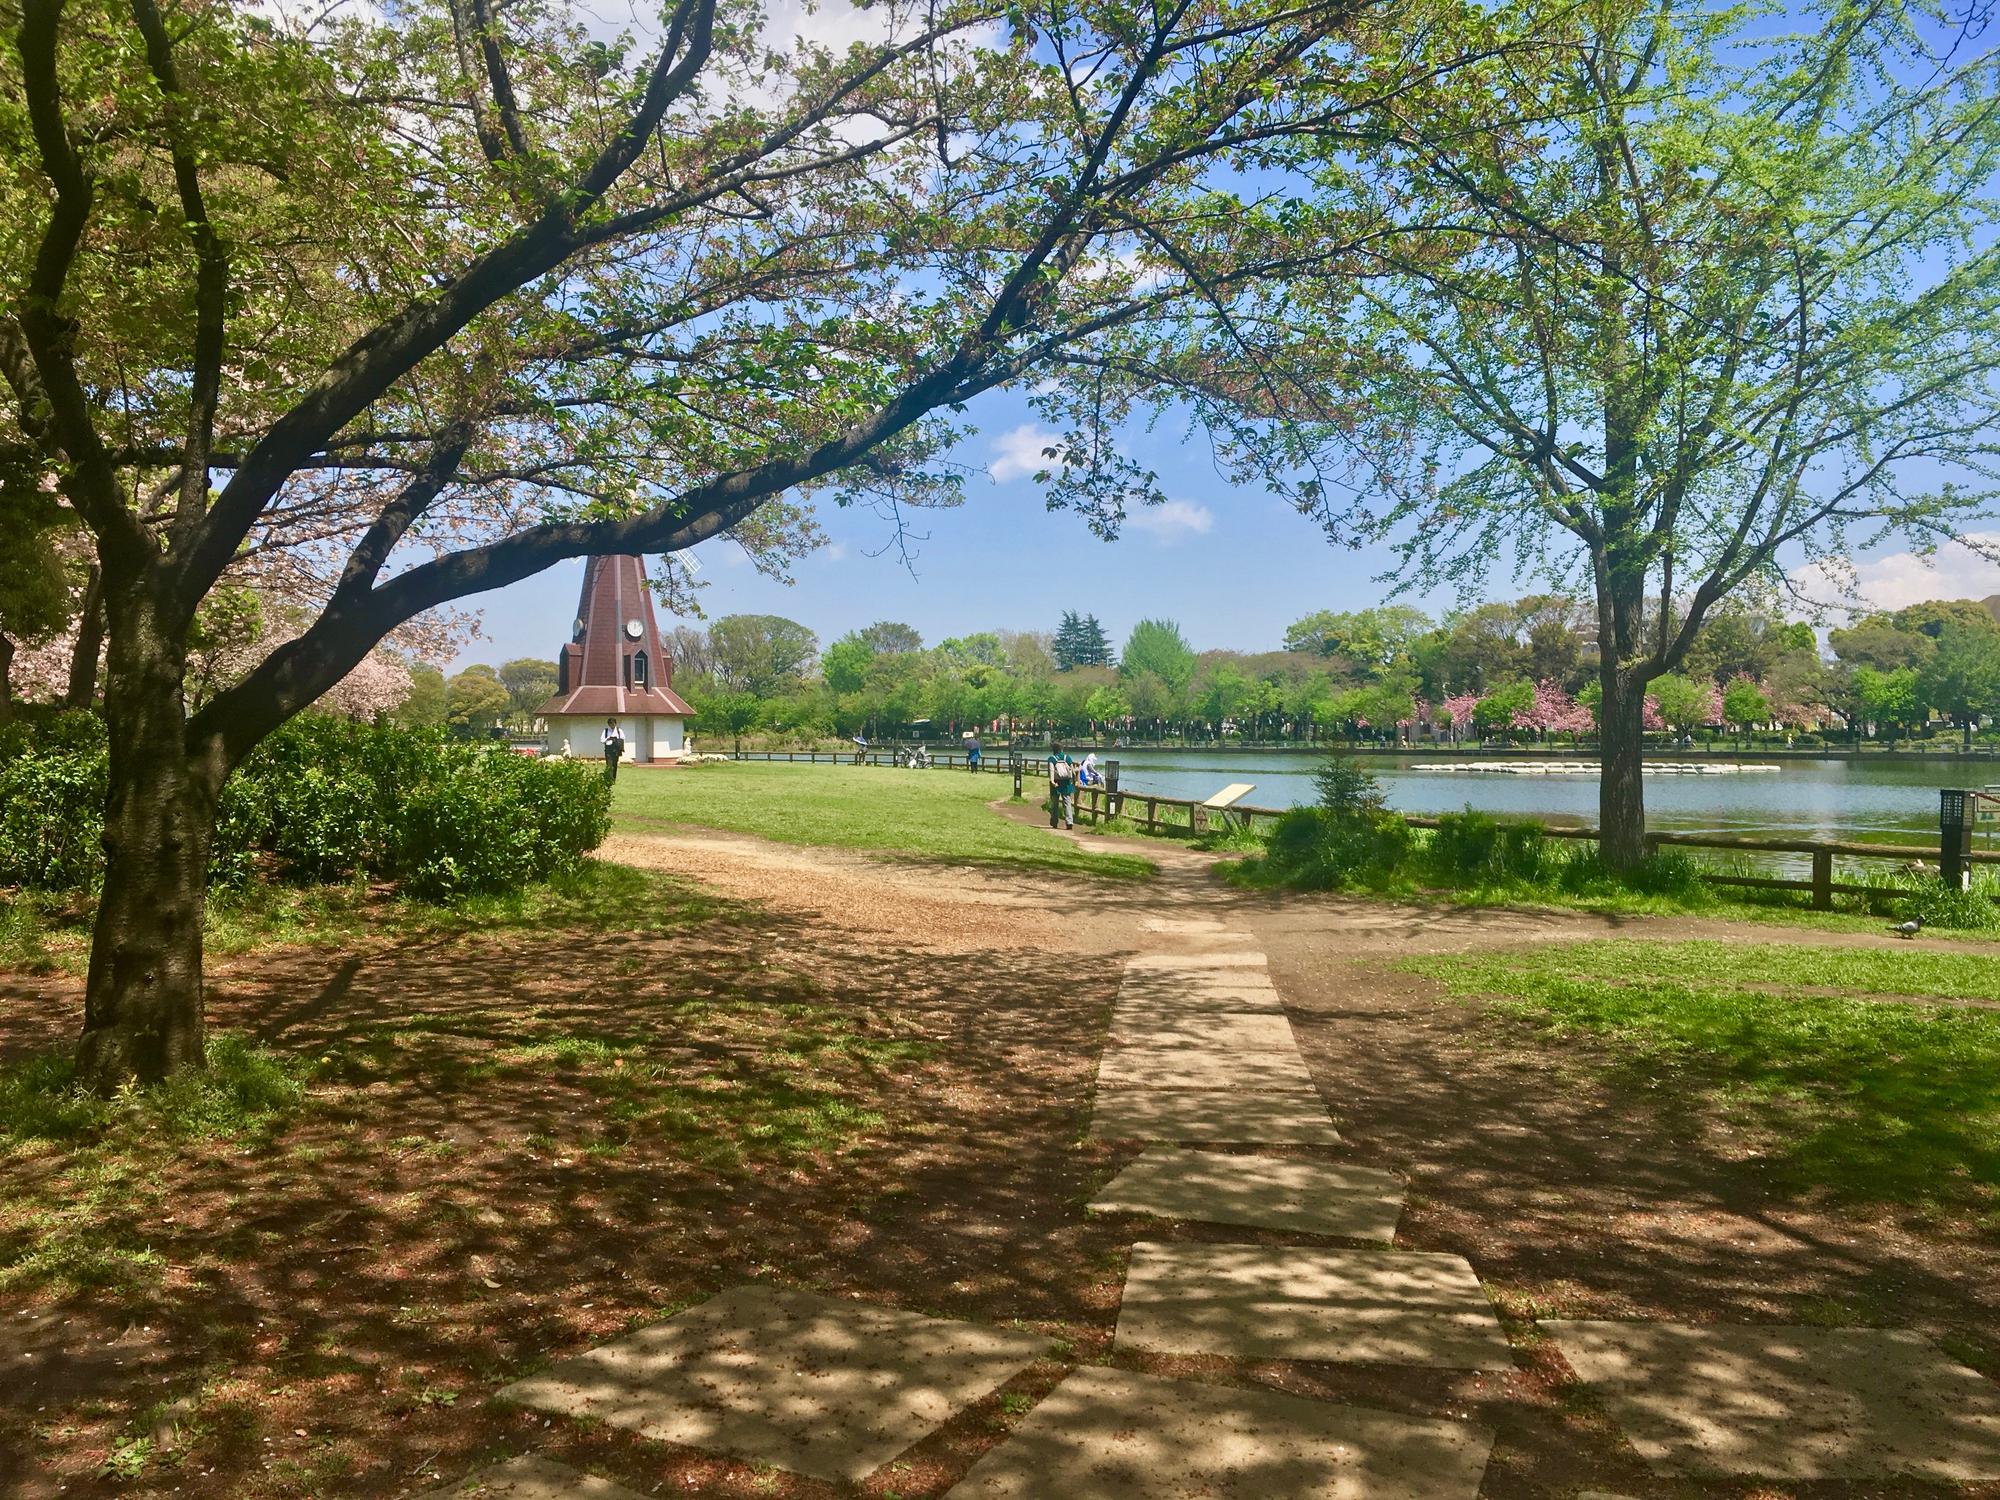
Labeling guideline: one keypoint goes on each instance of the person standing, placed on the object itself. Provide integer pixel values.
(972, 753)
(614, 748)
(1062, 787)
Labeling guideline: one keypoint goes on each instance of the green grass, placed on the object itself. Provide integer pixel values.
(83, 1230)
(1870, 1100)
(1670, 884)
(934, 815)
(42, 933)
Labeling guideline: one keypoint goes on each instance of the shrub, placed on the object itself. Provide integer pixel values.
(323, 799)
(497, 822)
(52, 817)
(1936, 904)
(1344, 788)
(1315, 848)
(1475, 848)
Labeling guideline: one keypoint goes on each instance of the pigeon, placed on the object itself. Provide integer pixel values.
(1908, 929)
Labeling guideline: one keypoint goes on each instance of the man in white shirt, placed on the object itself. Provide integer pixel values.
(614, 748)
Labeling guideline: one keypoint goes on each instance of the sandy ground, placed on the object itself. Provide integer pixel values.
(329, 1288)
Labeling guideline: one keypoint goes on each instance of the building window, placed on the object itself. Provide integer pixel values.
(639, 670)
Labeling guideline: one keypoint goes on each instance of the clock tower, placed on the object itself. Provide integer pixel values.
(613, 667)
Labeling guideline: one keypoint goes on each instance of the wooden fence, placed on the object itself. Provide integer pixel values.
(1172, 815)
(1186, 816)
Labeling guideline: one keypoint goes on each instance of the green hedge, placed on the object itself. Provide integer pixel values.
(322, 799)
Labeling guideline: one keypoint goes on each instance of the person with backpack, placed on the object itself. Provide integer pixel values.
(1062, 787)
(614, 748)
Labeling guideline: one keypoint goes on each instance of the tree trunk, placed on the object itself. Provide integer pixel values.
(6, 685)
(143, 1001)
(1621, 793)
(89, 642)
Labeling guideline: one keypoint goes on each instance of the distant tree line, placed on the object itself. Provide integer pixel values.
(1523, 669)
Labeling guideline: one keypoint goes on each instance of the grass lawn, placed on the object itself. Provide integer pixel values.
(921, 814)
(1886, 1099)
(49, 932)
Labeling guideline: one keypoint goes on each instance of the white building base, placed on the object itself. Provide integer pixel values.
(649, 738)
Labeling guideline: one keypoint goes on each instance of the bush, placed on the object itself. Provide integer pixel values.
(1316, 849)
(1475, 848)
(1936, 904)
(322, 799)
(52, 817)
(1345, 788)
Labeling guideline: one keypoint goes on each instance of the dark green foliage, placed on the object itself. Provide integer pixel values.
(52, 801)
(323, 799)
(1936, 904)
(1316, 849)
(1346, 789)
(1348, 840)
(1475, 848)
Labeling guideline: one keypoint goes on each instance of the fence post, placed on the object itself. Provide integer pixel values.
(1822, 880)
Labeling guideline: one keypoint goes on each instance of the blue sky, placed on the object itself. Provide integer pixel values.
(1233, 566)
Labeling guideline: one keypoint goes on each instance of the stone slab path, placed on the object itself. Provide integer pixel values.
(816, 1385)
(1200, 1053)
(1789, 1403)
(1202, 1067)
(1259, 1192)
(1143, 1026)
(1194, 1115)
(1118, 1435)
(1399, 1307)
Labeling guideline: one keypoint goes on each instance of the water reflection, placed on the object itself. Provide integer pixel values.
(1833, 798)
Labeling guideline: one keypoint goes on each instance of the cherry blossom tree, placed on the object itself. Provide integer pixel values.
(412, 302)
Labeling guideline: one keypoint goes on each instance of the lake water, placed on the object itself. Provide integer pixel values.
(1829, 798)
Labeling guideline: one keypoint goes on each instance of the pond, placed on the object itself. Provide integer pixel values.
(1890, 800)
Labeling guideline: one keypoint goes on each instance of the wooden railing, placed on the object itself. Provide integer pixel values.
(1146, 810)
(1187, 816)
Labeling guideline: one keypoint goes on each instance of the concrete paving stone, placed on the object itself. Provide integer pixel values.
(1202, 1068)
(1192, 927)
(1789, 1403)
(1120, 1435)
(1180, 981)
(1213, 1115)
(1199, 962)
(1262, 1192)
(1240, 1031)
(821, 1387)
(1283, 1302)
(531, 1478)
(1166, 1004)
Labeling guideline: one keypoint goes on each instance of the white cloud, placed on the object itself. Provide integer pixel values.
(1954, 571)
(1018, 453)
(834, 551)
(1171, 521)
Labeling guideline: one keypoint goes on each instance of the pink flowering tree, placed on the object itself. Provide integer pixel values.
(1557, 712)
(1456, 713)
(420, 301)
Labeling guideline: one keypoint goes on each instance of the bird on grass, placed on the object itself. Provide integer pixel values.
(1908, 929)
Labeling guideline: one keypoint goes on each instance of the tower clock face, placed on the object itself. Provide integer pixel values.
(634, 629)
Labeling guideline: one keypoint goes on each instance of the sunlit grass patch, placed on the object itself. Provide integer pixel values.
(1871, 1099)
(938, 814)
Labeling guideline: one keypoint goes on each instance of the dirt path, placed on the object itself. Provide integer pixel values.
(1572, 1197)
(467, 1199)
